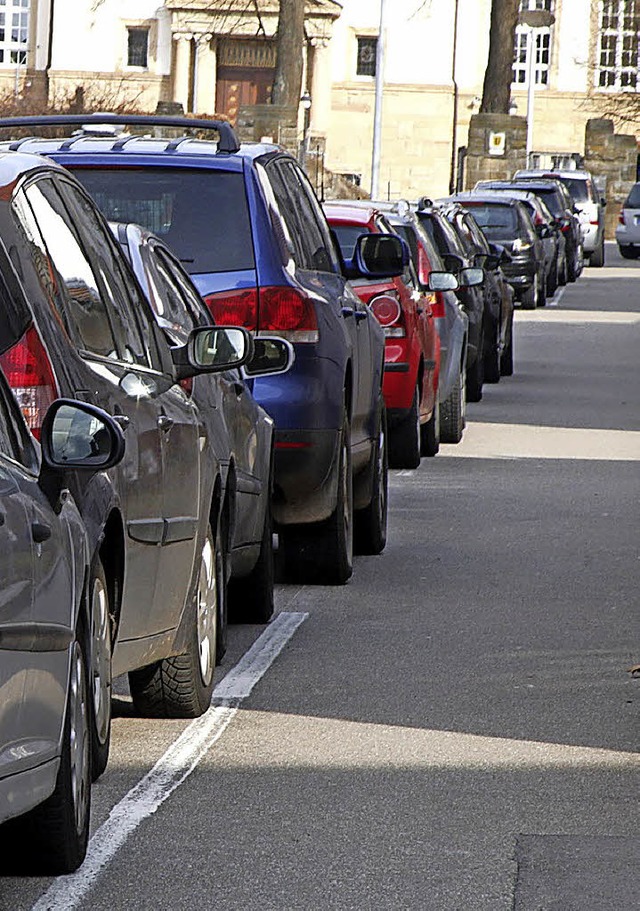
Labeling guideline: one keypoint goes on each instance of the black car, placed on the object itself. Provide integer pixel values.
(506, 220)
(75, 323)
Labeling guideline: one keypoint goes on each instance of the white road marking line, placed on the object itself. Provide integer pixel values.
(557, 297)
(174, 767)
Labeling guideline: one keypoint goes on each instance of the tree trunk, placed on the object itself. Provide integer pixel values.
(496, 92)
(287, 84)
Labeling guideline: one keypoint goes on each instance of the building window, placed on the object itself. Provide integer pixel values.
(14, 32)
(366, 62)
(541, 46)
(138, 47)
(618, 61)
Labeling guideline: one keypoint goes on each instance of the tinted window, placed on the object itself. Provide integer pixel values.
(347, 235)
(633, 199)
(552, 198)
(15, 316)
(15, 439)
(203, 215)
(495, 220)
(579, 189)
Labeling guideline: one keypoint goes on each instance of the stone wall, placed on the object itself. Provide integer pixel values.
(483, 130)
(612, 157)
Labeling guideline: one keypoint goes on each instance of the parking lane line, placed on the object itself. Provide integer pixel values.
(174, 767)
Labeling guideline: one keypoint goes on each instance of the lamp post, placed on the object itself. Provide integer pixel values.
(533, 19)
(377, 117)
(305, 101)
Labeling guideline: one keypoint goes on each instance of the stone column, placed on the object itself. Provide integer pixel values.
(182, 71)
(320, 88)
(204, 75)
(612, 158)
(497, 147)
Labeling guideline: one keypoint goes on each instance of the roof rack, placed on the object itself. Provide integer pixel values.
(228, 142)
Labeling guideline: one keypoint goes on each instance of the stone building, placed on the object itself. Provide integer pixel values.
(218, 56)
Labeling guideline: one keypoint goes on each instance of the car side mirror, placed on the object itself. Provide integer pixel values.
(471, 277)
(270, 356)
(212, 349)
(379, 256)
(488, 261)
(542, 231)
(77, 435)
(442, 281)
(452, 262)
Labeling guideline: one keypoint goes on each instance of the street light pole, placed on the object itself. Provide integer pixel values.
(377, 117)
(533, 19)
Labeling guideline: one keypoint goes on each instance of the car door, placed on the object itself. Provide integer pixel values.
(176, 418)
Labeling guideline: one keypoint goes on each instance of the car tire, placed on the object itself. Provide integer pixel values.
(572, 265)
(506, 358)
(430, 433)
(452, 412)
(541, 300)
(370, 523)
(251, 598)
(552, 278)
(529, 298)
(100, 655)
(491, 367)
(475, 375)
(562, 272)
(628, 251)
(323, 551)
(181, 686)
(404, 438)
(596, 259)
(58, 828)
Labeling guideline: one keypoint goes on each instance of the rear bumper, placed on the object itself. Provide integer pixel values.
(306, 475)
(400, 375)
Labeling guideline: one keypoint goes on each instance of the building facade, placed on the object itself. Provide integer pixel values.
(217, 56)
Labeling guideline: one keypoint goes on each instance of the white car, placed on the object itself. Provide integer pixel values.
(589, 205)
(628, 228)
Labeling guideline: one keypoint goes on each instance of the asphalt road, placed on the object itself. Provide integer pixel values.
(456, 729)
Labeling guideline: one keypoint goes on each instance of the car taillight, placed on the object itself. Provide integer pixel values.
(621, 216)
(288, 313)
(234, 308)
(30, 375)
(388, 312)
(437, 304)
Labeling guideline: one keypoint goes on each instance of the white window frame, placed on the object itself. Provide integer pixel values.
(14, 18)
(618, 55)
(543, 46)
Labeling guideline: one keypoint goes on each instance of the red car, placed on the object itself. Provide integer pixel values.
(412, 345)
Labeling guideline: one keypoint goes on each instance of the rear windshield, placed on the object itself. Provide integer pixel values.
(633, 199)
(552, 198)
(347, 236)
(202, 214)
(579, 189)
(495, 220)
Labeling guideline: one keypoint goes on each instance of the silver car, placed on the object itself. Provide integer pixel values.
(628, 228)
(45, 742)
(589, 205)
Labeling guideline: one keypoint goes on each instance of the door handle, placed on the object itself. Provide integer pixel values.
(165, 423)
(40, 532)
(347, 311)
(122, 419)
(360, 315)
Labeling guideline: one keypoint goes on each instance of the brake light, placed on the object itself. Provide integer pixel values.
(387, 311)
(234, 308)
(437, 305)
(289, 313)
(621, 216)
(30, 375)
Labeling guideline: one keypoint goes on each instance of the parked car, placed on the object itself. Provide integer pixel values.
(589, 203)
(561, 205)
(77, 325)
(247, 226)
(452, 323)
(628, 227)
(552, 238)
(412, 346)
(470, 279)
(243, 440)
(505, 220)
(45, 624)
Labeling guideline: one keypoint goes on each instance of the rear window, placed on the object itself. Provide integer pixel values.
(633, 199)
(201, 214)
(552, 198)
(347, 236)
(579, 189)
(495, 220)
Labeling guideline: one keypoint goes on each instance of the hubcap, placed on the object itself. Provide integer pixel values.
(101, 659)
(79, 740)
(207, 610)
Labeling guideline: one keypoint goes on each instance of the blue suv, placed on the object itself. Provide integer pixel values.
(247, 226)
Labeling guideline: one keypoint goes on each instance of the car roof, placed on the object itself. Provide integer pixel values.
(554, 172)
(14, 165)
(502, 199)
(344, 211)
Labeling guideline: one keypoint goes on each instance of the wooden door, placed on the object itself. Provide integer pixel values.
(239, 86)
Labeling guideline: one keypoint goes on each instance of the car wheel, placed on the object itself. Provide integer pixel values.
(597, 257)
(181, 686)
(572, 265)
(562, 274)
(475, 376)
(323, 551)
(628, 251)
(529, 298)
(404, 438)
(370, 523)
(251, 598)
(506, 358)
(452, 412)
(59, 827)
(552, 278)
(100, 655)
(430, 433)
(491, 367)
(541, 300)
